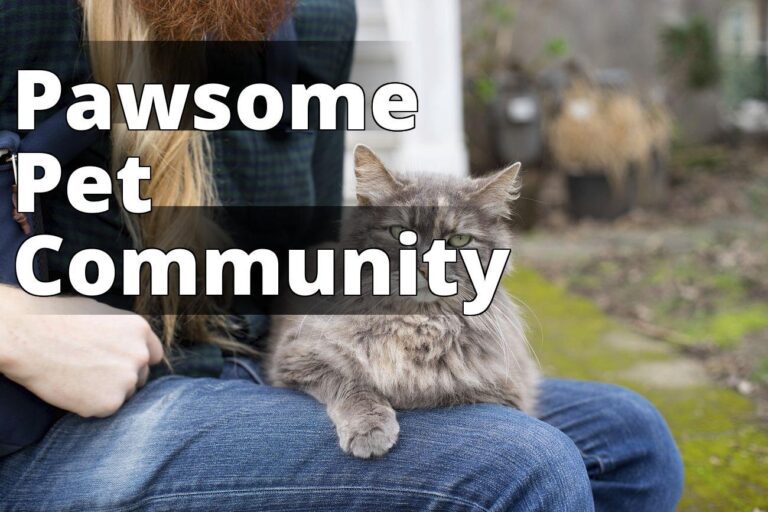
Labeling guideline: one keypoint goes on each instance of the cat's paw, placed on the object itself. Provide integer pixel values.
(369, 435)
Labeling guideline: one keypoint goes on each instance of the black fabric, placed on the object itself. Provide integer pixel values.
(24, 418)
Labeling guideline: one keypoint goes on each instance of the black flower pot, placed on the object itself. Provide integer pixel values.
(592, 195)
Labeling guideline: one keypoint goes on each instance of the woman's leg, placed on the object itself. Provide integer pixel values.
(205, 444)
(632, 460)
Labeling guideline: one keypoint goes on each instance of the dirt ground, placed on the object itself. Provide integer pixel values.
(693, 272)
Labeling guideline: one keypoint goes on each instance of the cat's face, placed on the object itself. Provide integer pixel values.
(469, 214)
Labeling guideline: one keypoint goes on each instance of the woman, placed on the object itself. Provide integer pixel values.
(212, 436)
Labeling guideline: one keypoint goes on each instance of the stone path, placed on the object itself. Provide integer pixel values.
(724, 446)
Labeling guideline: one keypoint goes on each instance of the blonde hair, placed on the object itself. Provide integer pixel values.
(180, 162)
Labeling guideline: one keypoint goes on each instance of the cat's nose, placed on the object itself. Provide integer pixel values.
(424, 270)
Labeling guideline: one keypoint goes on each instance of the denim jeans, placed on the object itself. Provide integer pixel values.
(236, 444)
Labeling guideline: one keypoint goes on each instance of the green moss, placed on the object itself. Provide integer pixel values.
(563, 327)
(722, 313)
(729, 283)
(729, 327)
(761, 371)
(724, 447)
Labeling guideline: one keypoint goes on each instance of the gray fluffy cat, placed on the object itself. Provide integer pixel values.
(363, 367)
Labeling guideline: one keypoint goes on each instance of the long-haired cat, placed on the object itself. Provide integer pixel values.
(364, 366)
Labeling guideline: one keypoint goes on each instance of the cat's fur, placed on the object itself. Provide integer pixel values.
(363, 367)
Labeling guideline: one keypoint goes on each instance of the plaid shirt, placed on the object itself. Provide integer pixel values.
(251, 168)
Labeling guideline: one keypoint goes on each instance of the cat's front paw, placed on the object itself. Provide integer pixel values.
(369, 435)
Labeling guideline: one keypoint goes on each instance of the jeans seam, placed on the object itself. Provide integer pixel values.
(587, 456)
(137, 505)
(256, 378)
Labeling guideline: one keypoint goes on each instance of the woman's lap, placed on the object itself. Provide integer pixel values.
(212, 444)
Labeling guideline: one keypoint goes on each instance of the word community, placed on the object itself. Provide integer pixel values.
(89, 190)
(216, 262)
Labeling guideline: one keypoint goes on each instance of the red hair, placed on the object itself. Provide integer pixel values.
(223, 20)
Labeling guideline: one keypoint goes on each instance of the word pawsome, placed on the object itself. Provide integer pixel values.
(393, 105)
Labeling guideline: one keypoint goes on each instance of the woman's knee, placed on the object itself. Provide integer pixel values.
(515, 462)
(649, 457)
(556, 477)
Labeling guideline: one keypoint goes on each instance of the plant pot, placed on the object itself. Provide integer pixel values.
(591, 195)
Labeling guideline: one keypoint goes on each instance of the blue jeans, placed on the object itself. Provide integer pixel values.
(235, 444)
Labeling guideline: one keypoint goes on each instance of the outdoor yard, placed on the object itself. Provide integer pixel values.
(642, 258)
(672, 303)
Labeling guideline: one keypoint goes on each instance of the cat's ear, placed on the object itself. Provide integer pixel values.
(374, 181)
(496, 191)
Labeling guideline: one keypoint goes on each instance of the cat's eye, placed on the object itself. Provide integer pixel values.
(396, 230)
(459, 240)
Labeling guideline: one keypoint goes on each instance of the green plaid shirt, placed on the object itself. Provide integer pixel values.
(251, 168)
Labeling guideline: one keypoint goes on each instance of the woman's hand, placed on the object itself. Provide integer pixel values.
(75, 353)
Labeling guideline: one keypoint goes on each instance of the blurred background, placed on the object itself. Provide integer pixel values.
(643, 248)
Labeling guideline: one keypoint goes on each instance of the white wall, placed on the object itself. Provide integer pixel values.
(417, 42)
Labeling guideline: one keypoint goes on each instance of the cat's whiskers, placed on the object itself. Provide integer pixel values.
(538, 321)
(519, 328)
(492, 323)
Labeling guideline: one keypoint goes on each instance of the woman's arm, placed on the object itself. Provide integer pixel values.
(75, 353)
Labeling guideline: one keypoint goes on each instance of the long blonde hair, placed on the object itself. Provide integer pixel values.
(180, 162)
